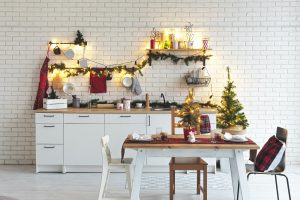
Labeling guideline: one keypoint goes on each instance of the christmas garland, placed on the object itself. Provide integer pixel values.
(75, 71)
(129, 70)
(175, 59)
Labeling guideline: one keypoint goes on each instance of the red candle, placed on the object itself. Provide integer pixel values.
(152, 44)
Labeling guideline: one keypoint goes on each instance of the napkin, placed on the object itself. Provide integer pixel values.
(228, 136)
(136, 136)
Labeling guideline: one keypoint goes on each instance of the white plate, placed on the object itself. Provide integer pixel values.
(68, 88)
(236, 140)
(127, 81)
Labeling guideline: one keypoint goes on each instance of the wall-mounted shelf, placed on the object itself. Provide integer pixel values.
(179, 50)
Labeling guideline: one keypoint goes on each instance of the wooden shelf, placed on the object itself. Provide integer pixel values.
(182, 50)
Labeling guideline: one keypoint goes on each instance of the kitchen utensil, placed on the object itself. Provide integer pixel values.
(126, 103)
(56, 50)
(69, 54)
(68, 88)
(127, 81)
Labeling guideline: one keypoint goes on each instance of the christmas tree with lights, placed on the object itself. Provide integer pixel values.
(229, 113)
(190, 112)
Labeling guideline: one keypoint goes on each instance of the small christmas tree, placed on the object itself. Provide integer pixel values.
(190, 112)
(79, 39)
(230, 110)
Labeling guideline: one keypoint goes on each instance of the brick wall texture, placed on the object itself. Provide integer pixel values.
(258, 39)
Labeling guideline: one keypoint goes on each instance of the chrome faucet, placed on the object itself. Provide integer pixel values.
(163, 96)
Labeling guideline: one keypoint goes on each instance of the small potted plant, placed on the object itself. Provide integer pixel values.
(190, 115)
(230, 118)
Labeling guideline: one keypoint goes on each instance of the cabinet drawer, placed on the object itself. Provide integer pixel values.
(49, 133)
(83, 118)
(49, 118)
(125, 118)
(49, 154)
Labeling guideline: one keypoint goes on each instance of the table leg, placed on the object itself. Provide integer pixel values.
(234, 176)
(242, 176)
(136, 185)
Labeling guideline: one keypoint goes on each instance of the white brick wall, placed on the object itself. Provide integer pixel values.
(259, 39)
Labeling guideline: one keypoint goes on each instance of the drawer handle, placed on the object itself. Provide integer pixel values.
(49, 147)
(49, 126)
(48, 115)
(125, 116)
(83, 116)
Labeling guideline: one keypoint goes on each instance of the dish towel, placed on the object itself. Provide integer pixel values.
(98, 84)
(43, 85)
(136, 87)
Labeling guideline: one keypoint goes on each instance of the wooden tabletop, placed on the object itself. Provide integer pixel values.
(177, 142)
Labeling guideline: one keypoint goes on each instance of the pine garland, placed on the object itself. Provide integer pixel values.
(175, 59)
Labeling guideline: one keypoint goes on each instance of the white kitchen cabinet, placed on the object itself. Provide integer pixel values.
(163, 122)
(49, 141)
(82, 139)
(118, 126)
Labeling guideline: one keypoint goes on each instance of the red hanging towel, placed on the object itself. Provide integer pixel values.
(98, 84)
(43, 85)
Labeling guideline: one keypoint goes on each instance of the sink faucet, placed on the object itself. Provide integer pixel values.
(163, 96)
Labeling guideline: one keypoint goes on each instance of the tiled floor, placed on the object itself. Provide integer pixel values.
(20, 182)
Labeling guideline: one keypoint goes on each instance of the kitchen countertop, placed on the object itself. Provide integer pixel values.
(114, 111)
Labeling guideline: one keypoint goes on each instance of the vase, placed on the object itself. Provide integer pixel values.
(186, 132)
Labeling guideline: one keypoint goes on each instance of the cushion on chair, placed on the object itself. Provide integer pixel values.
(270, 155)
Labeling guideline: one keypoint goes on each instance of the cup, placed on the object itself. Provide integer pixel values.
(212, 137)
(158, 130)
(126, 104)
(138, 105)
(120, 106)
(76, 103)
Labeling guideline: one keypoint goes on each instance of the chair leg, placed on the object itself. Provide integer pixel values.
(107, 180)
(171, 184)
(198, 181)
(205, 183)
(128, 177)
(276, 187)
(288, 184)
(238, 191)
(104, 177)
(174, 180)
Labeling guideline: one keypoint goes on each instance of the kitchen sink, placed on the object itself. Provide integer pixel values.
(160, 109)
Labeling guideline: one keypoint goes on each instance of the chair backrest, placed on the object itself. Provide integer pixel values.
(106, 155)
(175, 124)
(282, 134)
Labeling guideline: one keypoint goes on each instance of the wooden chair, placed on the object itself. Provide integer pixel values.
(281, 134)
(111, 164)
(194, 163)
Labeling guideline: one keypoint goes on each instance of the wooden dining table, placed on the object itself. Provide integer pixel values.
(176, 146)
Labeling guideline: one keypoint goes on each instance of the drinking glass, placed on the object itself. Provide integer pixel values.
(212, 137)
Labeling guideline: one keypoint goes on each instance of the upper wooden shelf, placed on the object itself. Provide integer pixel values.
(183, 50)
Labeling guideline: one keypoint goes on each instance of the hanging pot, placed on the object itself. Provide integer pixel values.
(56, 50)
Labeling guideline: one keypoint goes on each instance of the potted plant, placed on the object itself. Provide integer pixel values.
(189, 114)
(230, 118)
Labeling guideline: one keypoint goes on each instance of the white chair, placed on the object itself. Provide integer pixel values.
(109, 164)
